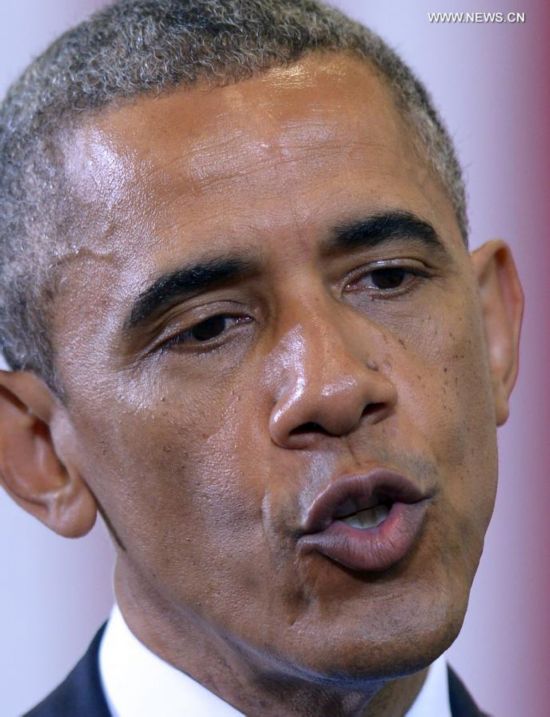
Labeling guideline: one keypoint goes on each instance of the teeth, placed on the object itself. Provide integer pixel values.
(369, 518)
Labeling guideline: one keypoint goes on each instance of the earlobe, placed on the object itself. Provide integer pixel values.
(502, 308)
(38, 478)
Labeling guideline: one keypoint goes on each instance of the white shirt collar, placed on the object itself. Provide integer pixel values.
(138, 683)
(433, 698)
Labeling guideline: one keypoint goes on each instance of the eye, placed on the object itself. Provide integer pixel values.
(209, 329)
(386, 279)
(206, 331)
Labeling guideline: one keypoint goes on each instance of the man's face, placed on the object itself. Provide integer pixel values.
(276, 327)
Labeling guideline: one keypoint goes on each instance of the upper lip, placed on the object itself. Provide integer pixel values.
(350, 494)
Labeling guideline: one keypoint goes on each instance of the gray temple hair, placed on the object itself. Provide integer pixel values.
(130, 48)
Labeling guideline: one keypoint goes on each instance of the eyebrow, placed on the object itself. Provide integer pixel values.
(220, 271)
(379, 228)
(186, 282)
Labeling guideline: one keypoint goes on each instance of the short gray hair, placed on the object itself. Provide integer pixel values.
(134, 47)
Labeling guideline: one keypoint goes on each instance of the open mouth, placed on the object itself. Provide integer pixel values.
(367, 518)
(367, 523)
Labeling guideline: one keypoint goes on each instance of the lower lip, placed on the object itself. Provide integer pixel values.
(370, 549)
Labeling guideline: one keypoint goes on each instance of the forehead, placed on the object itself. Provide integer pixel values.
(326, 100)
(286, 126)
(277, 158)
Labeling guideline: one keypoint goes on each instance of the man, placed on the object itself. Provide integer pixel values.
(246, 329)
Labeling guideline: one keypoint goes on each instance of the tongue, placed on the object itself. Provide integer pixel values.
(368, 518)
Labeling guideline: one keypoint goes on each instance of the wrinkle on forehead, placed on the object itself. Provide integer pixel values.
(197, 135)
(225, 152)
(79, 254)
(89, 243)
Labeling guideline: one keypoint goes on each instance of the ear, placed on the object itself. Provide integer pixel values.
(35, 468)
(502, 308)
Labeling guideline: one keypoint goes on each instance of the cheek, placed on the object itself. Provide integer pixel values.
(202, 474)
(438, 362)
(174, 459)
(446, 398)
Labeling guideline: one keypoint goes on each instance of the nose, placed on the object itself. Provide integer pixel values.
(328, 382)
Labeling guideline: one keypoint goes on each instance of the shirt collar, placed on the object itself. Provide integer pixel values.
(138, 683)
(128, 671)
(433, 698)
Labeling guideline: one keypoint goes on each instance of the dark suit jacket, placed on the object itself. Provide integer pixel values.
(81, 695)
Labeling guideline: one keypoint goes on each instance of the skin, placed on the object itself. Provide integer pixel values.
(205, 456)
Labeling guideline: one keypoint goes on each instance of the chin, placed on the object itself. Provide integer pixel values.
(395, 643)
(367, 662)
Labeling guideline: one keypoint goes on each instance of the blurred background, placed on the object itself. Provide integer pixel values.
(491, 83)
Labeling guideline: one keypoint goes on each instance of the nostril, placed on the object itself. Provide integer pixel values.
(371, 408)
(309, 427)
